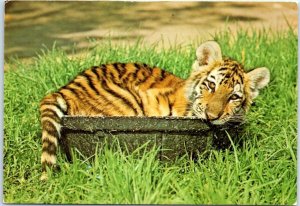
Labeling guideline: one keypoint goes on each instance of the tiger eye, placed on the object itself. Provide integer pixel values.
(234, 97)
(194, 94)
(211, 85)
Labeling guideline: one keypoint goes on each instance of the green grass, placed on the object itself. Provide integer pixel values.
(260, 170)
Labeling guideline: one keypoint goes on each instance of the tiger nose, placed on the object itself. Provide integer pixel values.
(211, 116)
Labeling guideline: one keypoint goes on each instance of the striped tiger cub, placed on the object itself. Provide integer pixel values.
(218, 90)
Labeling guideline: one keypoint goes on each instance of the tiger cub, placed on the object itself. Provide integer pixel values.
(218, 90)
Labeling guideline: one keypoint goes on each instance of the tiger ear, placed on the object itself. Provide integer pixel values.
(207, 53)
(258, 79)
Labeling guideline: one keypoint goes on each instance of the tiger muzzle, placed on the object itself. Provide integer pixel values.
(214, 110)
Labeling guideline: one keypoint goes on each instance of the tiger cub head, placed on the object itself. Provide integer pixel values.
(218, 89)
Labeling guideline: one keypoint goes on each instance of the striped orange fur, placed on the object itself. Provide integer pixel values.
(218, 90)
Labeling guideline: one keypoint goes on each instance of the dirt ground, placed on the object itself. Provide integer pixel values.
(32, 25)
